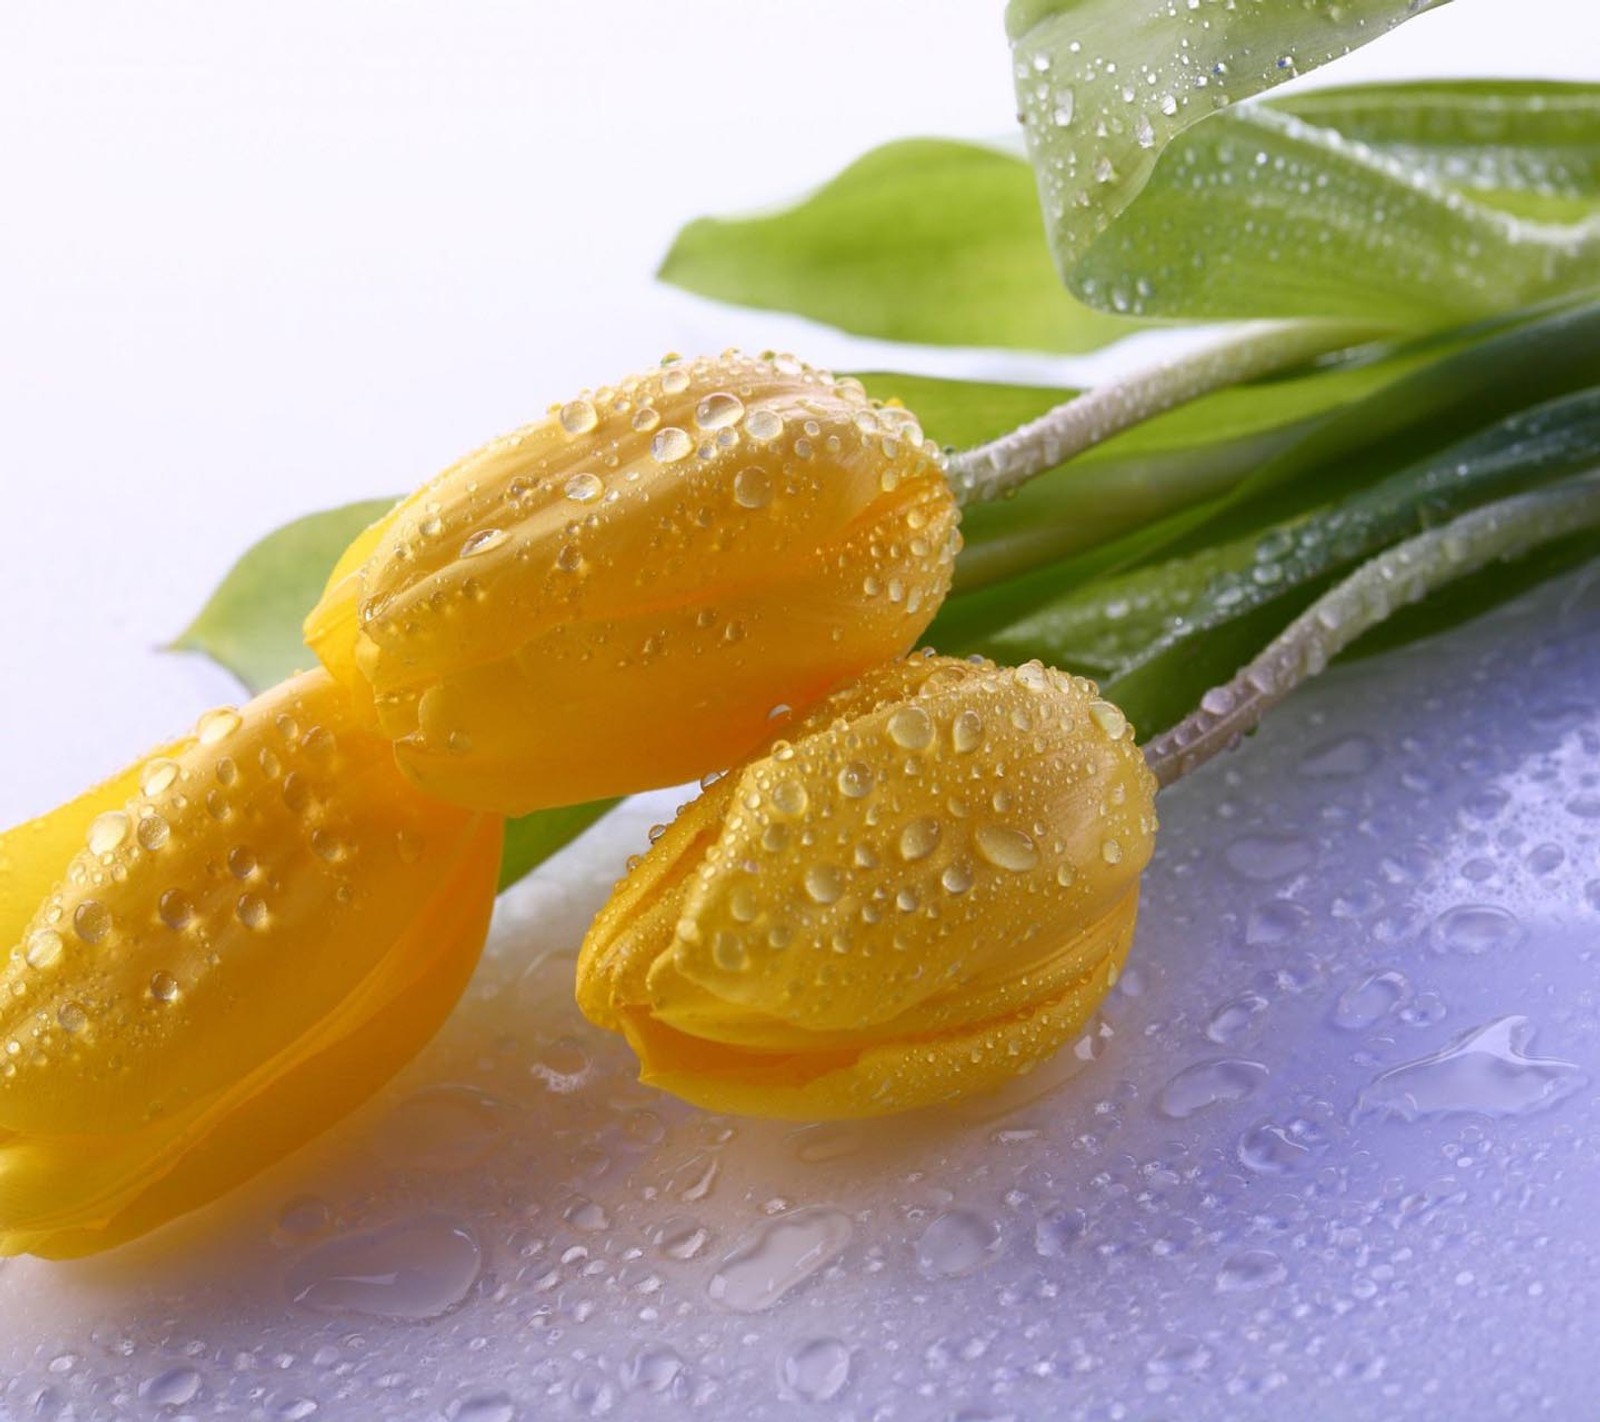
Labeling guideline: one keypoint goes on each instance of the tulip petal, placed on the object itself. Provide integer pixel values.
(254, 939)
(942, 857)
(703, 545)
(890, 1075)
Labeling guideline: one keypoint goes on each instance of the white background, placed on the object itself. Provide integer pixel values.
(260, 260)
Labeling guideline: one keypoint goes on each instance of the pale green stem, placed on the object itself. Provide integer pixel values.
(993, 470)
(1403, 574)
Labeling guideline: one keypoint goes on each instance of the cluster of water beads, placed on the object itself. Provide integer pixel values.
(646, 528)
(940, 845)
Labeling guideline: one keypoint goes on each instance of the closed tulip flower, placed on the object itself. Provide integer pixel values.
(622, 595)
(215, 955)
(923, 890)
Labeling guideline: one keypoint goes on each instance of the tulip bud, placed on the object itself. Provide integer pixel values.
(700, 547)
(215, 955)
(922, 892)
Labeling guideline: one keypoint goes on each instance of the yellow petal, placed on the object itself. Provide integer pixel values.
(238, 952)
(942, 848)
(702, 545)
(889, 1075)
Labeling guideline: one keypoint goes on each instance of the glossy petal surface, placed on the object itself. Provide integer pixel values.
(702, 544)
(923, 891)
(216, 954)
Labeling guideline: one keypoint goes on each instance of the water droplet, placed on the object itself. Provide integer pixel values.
(958, 1242)
(1370, 1000)
(824, 882)
(1236, 1019)
(1251, 1270)
(966, 732)
(652, 1370)
(252, 911)
(957, 877)
(587, 1215)
(1109, 719)
(216, 726)
(157, 776)
(1111, 851)
(1475, 929)
(763, 425)
(107, 831)
(91, 921)
(854, 780)
(486, 540)
(1270, 1149)
(44, 948)
(1006, 848)
(1059, 1231)
(729, 953)
(583, 488)
(817, 1369)
(919, 839)
(163, 987)
(911, 728)
(579, 417)
(1209, 1083)
(176, 1387)
(153, 832)
(718, 411)
(417, 1269)
(669, 445)
(1261, 858)
(72, 1016)
(1484, 1072)
(1343, 759)
(752, 488)
(789, 797)
(776, 1256)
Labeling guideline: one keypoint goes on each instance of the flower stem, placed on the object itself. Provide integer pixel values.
(993, 470)
(1405, 573)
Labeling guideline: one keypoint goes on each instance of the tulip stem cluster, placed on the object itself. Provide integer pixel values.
(1406, 573)
(1259, 348)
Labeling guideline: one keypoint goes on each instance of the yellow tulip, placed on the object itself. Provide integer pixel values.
(701, 547)
(216, 954)
(922, 891)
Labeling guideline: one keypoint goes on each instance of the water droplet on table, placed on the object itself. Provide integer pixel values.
(416, 1269)
(776, 1256)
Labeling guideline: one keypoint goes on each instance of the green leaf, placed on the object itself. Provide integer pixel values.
(1159, 636)
(1103, 86)
(1444, 388)
(251, 623)
(1258, 213)
(1187, 456)
(1526, 146)
(925, 240)
(533, 838)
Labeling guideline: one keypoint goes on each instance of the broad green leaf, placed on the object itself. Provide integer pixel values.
(251, 623)
(533, 838)
(1529, 147)
(1159, 636)
(1103, 86)
(1187, 456)
(1259, 213)
(1480, 375)
(924, 240)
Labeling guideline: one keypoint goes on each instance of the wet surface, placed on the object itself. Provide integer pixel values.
(1330, 1147)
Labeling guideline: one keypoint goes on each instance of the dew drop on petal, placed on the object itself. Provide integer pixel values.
(1006, 848)
(670, 445)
